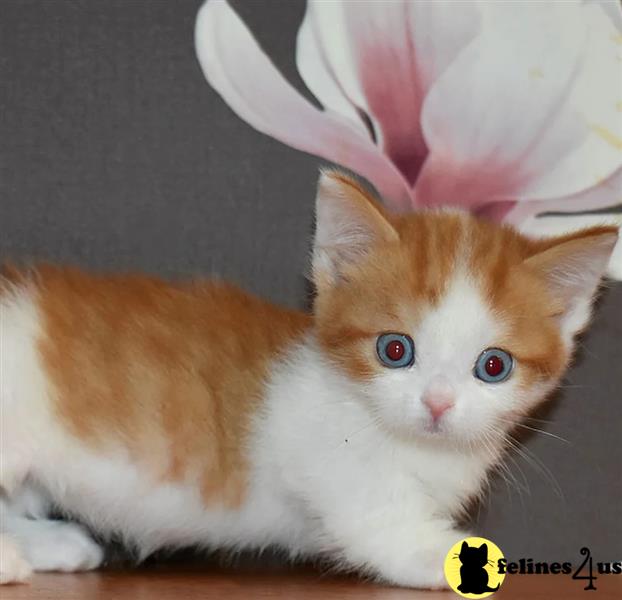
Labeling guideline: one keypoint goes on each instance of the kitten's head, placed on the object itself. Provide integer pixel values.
(451, 327)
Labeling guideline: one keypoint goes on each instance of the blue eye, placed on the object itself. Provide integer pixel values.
(493, 365)
(395, 350)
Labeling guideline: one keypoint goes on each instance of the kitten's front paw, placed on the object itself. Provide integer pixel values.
(13, 567)
(431, 578)
(425, 566)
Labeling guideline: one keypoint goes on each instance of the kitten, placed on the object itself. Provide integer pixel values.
(196, 414)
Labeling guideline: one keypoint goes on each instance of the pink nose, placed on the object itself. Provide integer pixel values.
(439, 398)
(437, 406)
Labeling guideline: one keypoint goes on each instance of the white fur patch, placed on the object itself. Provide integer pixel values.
(24, 409)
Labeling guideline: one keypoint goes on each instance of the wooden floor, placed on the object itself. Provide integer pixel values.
(178, 583)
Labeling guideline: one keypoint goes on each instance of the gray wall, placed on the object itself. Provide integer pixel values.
(115, 154)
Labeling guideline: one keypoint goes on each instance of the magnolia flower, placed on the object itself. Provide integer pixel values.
(507, 109)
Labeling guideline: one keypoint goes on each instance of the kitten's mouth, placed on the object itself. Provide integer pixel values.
(435, 427)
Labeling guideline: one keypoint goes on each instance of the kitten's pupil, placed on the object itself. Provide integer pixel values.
(395, 350)
(494, 366)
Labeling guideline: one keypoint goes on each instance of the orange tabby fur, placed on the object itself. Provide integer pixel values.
(171, 372)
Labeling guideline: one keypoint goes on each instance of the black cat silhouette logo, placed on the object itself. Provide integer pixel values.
(471, 568)
(473, 576)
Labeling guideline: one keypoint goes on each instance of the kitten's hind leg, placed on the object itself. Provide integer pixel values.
(42, 543)
(55, 545)
(29, 539)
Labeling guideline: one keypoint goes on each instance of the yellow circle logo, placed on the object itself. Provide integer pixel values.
(471, 568)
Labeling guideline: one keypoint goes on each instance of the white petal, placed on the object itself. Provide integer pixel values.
(325, 33)
(595, 100)
(243, 75)
(607, 193)
(512, 118)
(315, 68)
(439, 32)
(555, 225)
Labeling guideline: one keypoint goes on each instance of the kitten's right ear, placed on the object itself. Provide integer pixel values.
(572, 266)
(348, 222)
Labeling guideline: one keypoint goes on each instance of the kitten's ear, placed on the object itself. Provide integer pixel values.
(464, 547)
(484, 548)
(348, 222)
(573, 266)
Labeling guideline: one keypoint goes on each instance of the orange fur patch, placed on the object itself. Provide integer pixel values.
(172, 374)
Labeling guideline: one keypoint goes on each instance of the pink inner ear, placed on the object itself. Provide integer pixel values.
(573, 267)
(348, 222)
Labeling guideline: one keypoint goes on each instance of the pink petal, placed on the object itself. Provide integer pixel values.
(447, 180)
(384, 53)
(503, 123)
(382, 57)
(243, 75)
(496, 210)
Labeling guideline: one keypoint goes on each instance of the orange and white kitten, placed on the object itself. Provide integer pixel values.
(196, 414)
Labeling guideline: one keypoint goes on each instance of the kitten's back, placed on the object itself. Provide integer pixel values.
(170, 373)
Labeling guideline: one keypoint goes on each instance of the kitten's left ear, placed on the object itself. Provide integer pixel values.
(573, 266)
(348, 223)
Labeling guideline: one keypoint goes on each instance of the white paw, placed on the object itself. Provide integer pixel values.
(60, 546)
(13, 567)
(421, 577)
(432, 574)
(424, 568)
